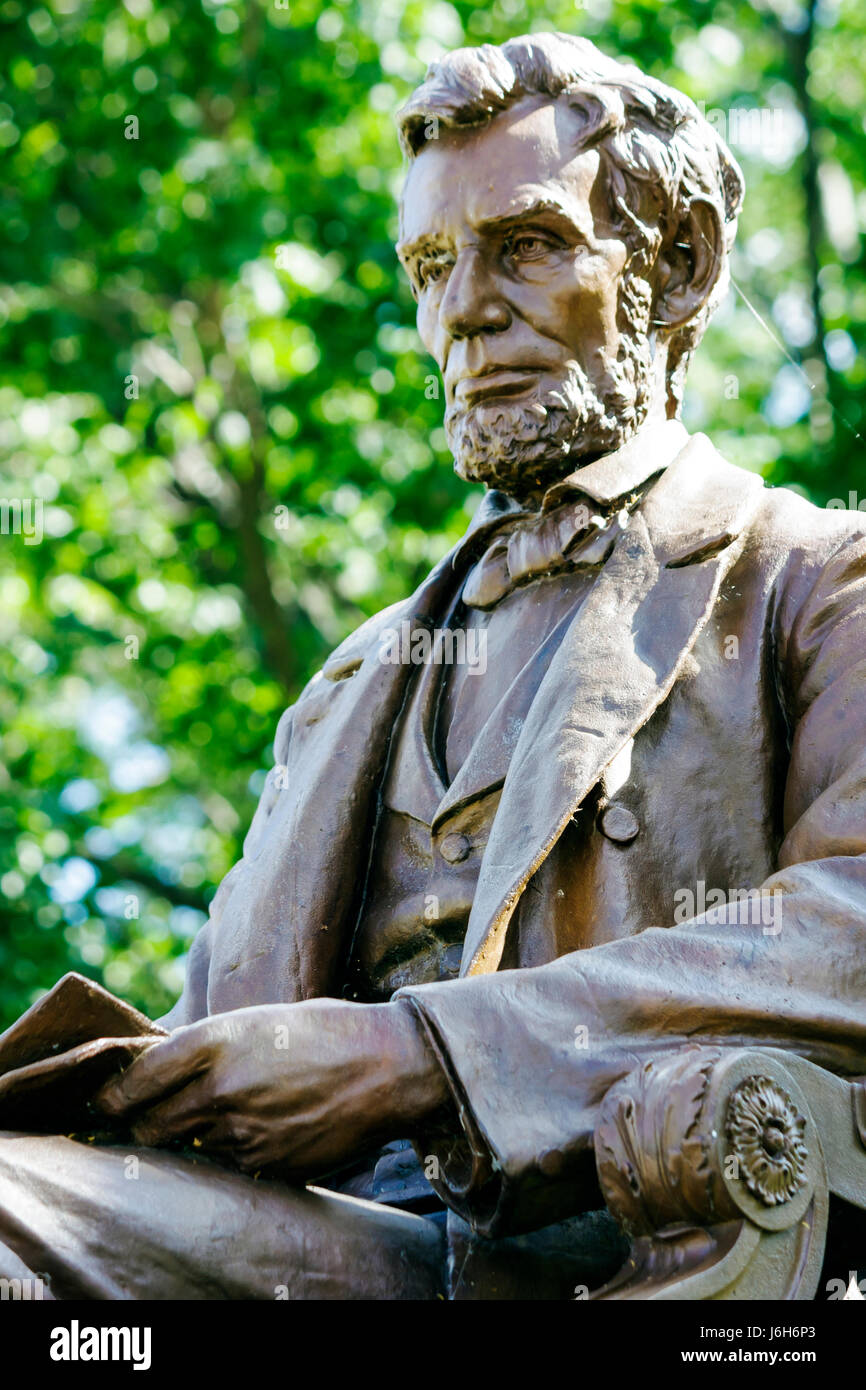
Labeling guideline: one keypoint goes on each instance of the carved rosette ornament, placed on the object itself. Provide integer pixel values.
(707, 1135)
(765, 1131)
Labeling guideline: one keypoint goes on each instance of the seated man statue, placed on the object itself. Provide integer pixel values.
(594, 794)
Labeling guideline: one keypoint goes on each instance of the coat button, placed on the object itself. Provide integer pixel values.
(619, 823)
(551, 1162)
(455, 848)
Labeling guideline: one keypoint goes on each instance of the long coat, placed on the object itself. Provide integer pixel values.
(711, 693)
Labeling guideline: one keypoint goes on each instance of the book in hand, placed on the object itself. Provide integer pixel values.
(59, 1054)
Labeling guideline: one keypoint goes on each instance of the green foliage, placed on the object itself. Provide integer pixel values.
(214, 385)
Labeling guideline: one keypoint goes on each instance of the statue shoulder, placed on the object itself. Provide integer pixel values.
(345, 659)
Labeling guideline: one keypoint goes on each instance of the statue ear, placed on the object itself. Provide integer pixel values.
(689, 265)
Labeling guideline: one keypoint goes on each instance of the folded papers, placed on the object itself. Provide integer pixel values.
(58, 1055)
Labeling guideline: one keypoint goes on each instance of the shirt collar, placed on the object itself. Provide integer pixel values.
(648, 452)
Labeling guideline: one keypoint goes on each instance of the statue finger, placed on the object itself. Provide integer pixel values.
(162, 1070)
(182, 1116)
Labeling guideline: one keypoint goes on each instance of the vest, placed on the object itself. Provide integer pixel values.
(432, 831)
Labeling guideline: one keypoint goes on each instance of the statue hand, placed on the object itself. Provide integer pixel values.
(296, 1089)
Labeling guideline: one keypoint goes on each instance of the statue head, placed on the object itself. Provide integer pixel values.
(565, 224)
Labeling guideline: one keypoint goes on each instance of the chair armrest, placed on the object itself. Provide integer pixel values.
(718, 1164)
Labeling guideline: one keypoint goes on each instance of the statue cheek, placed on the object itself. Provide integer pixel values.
(430, 331)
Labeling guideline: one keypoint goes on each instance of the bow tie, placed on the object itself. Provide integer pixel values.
(570, 535)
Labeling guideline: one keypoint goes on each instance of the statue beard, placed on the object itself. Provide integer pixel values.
(524, 447)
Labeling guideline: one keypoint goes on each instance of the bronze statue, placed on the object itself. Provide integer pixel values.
(572, 928)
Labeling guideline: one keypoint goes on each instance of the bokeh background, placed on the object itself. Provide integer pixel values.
(213, 384)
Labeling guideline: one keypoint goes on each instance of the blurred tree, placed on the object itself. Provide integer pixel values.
(215, 392)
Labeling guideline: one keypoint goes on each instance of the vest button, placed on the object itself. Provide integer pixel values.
(455, 848)
(619, 823)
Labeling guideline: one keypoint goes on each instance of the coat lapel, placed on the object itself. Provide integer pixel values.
(285, 931)
(614, 667)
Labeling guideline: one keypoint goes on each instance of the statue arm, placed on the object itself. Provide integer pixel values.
(193, 1004)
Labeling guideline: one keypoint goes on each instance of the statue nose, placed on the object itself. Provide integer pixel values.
(472, 302)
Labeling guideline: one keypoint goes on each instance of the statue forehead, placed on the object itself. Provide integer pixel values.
(473, 175)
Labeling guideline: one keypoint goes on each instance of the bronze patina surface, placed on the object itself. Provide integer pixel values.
(564, 856)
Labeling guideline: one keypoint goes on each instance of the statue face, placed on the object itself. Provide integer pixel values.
(508, 239)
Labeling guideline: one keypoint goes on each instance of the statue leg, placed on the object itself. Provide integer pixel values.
(115, 1222)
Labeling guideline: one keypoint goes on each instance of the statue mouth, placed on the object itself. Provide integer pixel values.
(498, 381)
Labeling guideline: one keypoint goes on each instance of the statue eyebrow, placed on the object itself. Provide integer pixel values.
(552, 211)
(549, 209)
(411, 250)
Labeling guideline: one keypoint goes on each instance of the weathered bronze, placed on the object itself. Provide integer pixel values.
(550, 929)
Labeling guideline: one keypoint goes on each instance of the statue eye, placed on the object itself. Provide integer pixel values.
(528, 246)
